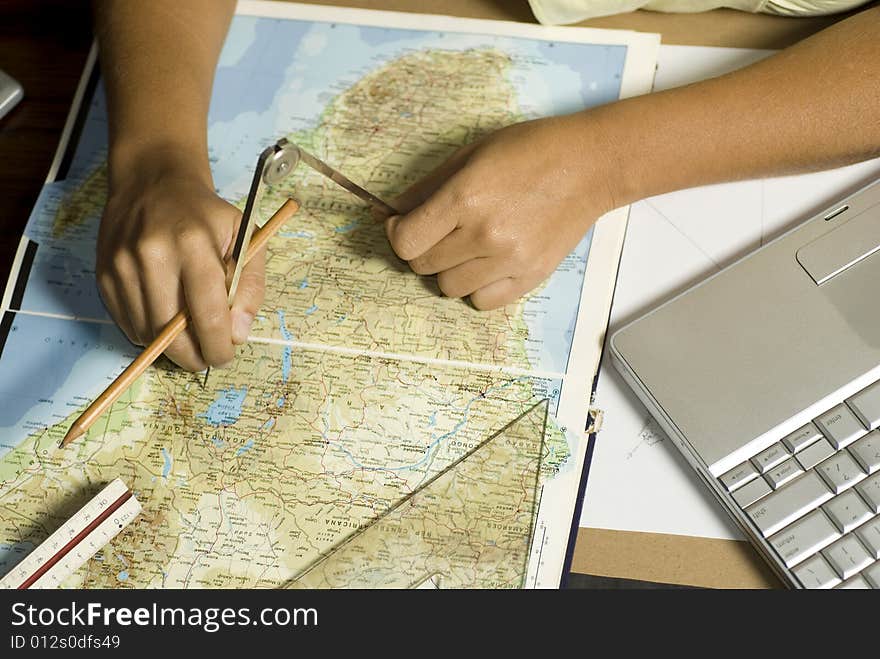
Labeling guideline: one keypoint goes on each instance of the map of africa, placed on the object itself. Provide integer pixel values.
(360, 384)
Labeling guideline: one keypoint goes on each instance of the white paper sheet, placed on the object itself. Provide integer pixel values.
(637, 479)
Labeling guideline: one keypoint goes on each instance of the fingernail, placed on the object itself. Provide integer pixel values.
(241, 326)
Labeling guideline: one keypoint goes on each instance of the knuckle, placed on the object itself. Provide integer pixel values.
(219, 356)
(405, 244)
(421, 266)
(183, 352)
(151, 249)
(134, 339)
(214, 319)
(119, 262)
(466, 196)
(250, 300)
(478, 303)
(104, 278)
(484, 303)
(493, 233)
(187, 361)
(189, 238)
(254, 295)
(448, 286)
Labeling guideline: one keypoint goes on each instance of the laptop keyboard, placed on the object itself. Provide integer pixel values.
(815, 495)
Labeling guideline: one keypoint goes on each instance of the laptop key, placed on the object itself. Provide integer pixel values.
(840, 471)
(801, 438)
(816, 573)
(847, 556)
(783, 473)
(770, 457)
(751, 492)
(870, 491)
(872, 575)
(869, 534)
(789, 502)
(738, 476)
(804, 538)
(867, 452)
(856, 583)
(866, 405)
(847, 511)
(815, 453)
(840, 426)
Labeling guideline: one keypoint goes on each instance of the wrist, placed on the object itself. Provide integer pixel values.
(132, 157)
(618, 155)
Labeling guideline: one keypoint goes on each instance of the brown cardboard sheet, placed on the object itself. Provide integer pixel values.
(672, 559)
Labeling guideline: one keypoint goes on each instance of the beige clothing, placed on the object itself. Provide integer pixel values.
(555, 12)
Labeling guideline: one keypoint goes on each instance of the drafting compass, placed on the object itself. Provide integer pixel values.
(274, 165)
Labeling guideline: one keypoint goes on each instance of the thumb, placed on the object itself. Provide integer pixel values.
(248, 296)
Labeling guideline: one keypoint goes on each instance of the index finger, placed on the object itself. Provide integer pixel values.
(204, 287)
(416, 233)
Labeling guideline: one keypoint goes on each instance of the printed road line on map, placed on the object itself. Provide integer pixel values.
(320, 347)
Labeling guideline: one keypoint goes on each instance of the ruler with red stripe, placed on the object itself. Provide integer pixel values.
(77, 540)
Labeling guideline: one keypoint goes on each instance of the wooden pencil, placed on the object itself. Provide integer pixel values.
(174, 327)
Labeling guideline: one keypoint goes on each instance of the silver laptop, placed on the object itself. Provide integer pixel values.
(767, 378)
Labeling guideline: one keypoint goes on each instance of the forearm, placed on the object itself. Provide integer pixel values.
(813, 106)
(158, 60)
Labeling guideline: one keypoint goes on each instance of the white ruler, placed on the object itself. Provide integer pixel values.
(76, 541)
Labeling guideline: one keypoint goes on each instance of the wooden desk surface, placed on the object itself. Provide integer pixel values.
(44, 44)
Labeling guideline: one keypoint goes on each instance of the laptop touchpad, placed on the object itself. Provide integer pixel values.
(851, 242)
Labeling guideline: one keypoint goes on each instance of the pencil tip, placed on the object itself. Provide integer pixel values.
(72, 434)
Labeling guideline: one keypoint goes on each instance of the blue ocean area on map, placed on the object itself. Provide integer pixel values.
(63, 279)
(599, 73)
(260, 47)
(46, 364)
(12, 554)
(37, 362)
(559, 301)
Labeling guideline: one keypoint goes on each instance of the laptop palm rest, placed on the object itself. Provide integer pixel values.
(840, 249)
(744, 356)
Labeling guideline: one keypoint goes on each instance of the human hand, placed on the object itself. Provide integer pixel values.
(496, 219)
(161, 247)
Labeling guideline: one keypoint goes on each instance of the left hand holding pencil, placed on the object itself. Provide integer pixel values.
(170, 332)
(161, 247)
